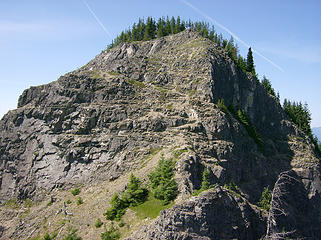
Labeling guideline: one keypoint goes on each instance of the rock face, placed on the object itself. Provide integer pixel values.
(215, 214)
(99, 122)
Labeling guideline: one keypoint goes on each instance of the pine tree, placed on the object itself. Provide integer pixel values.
(148, 30)
(135, 33)
(173, 25)
(160, 28)
(250, 62)
(205, 180)
(135, 194)
(167, 28)
(268, 86)
(211, 35)
(178, 25)
(241, 63)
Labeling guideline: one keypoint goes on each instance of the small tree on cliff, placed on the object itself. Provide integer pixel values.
(250, 62)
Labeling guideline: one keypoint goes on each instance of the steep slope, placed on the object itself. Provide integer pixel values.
(103, 120)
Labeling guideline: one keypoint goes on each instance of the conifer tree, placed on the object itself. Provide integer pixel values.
(167, 27)
(205, 180)
(173, 25)
(211, 35)
(241, 63)
(160, 28)
(149, 32)
(178, 25)
(250, 62)
(135, 33)
(268, 86)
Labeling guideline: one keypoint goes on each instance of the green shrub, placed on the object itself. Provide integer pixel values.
(242, 117)
(265, 200)
(111, 234)
(221, 105)
(72, 236)
(121, 224)
(162, 182)
(75, 191)
(133, 196)
(231, 186)
(79, 201)
(117, 209)
(68, 201)
(47, 237)
(98, 223)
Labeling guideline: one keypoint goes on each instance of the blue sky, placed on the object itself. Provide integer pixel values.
(42, 40)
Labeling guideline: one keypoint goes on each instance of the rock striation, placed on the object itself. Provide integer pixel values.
(100, 121)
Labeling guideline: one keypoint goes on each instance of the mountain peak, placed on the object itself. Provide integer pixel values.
(182, 97)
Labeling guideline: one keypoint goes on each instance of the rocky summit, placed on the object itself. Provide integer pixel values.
(174, 97)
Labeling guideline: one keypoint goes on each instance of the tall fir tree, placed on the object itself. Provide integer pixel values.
(173, 25)
(167, 28)
(135, 33)
(160, 28)
(250, 62)
(178, 25)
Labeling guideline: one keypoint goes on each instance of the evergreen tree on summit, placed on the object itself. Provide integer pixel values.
(250, 62)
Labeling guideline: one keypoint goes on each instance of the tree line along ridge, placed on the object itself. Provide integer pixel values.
(150, 29)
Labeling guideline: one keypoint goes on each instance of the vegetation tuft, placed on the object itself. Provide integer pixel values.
(205, 182)
(72, 236)
(111, 234)
(98, 223)
(75, 191)
(265, 200)
(79, 201)
(47, 236)
(222, 106)
(243, 118)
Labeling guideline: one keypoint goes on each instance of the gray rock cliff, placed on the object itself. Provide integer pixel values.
(98, 122)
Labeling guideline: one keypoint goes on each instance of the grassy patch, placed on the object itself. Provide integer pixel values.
(154, 151)
(114, 73)
(151, 208)
(96, 75)
(12, 203)
(162, 90)
(79, 201)
(136, 83)
(169, 106)
(177, 153)
(191, 92)
(197, 80)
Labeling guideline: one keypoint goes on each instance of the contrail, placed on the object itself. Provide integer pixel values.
(97, 19)
(214, 22)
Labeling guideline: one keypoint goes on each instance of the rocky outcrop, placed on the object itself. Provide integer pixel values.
(101, 120)
(216, 214)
